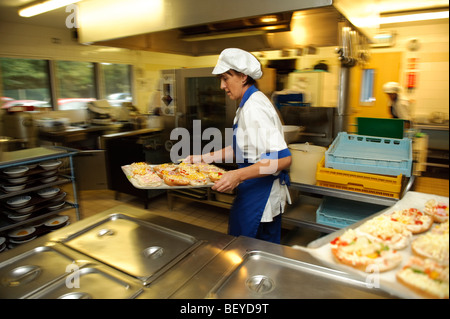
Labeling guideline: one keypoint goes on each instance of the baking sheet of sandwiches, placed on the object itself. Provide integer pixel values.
(170, 175)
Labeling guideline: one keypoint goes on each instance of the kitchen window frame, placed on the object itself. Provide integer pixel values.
(53, 86)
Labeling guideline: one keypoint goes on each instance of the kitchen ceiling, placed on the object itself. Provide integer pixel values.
(319, 28)
(56, 18)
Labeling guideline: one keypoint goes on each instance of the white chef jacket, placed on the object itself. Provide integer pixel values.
(401, 108)
(260, 135)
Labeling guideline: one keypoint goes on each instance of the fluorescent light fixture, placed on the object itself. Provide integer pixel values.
(44, 6)
(382, 36)
(414, 17)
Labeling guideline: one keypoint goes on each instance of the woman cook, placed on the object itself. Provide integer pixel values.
(258, 148)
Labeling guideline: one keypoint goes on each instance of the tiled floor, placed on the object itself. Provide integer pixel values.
(211, 217)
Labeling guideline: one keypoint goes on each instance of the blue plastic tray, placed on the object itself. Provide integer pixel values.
(340, 213)
(369, 154)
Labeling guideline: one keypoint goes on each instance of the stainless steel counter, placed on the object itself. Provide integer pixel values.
(122, 247)
(131, 133)
(72, 134)
(253, 269)
(126, 252)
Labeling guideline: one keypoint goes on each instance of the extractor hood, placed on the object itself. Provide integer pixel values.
(206, 27)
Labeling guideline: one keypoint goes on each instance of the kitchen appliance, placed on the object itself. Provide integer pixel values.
(6, 143)
(194, 94)
(291, 133)
(90, 171)
(100, 112)
(199, 30)
(320, 87)
(318, 123)
(126, 148)
(48, 124)
(20, 127)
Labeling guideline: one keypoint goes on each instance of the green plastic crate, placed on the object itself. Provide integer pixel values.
(393, 128)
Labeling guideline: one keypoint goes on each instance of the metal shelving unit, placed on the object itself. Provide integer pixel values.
(33, 156)
(201, 195)
(302, 213)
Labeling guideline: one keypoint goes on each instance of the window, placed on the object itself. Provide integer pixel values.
(367, 95)
(76, 84)
(25, 82)
(117, 79)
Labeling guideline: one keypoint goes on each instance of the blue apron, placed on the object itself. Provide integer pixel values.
(252, 196)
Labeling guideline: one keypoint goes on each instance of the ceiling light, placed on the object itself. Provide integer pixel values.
(269, 19)
(414, 17)
(44, 6)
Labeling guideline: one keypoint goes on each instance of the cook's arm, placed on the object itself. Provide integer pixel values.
(225, 155)
(264, 167)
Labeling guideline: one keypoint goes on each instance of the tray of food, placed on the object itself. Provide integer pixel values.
(169, 175)
(403, 250)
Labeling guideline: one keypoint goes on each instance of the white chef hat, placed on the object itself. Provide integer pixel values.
(238, 60)
(391, 87)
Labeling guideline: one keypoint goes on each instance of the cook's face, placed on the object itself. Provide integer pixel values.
(392, 96)
(233, 84)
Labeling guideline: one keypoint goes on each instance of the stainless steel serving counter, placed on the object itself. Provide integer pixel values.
(253, 269)
(123, 246)
(99, 133)
(126, 252)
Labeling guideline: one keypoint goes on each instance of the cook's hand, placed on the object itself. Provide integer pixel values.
(229, 181)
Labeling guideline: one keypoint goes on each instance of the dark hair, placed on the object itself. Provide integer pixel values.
(249, 81)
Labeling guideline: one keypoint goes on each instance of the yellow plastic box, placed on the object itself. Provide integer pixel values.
(381, 185)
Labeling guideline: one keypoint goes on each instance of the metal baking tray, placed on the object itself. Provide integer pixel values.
(92, 282)
(33, 269)
(249, 268)
(163, 186)
(264, 275)
(138, 248)
(321, 248)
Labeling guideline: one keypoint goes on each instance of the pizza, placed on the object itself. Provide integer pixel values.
(437, 210)
(359, 251)
(209, 168)
(176, 180)
(197, 179)
(383, 229)
(441, 229)
(426, 277)
(140, 168)
(414, 220)
(187, 170)
(164, 169)
(215, 176)
(149, 180)
(432, 245)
